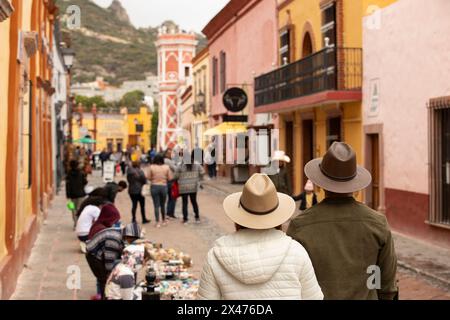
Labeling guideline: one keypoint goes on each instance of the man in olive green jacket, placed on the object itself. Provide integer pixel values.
(350, 245)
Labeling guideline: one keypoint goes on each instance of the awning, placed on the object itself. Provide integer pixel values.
(226, 128)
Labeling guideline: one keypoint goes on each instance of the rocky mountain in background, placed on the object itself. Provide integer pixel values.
(108, 45)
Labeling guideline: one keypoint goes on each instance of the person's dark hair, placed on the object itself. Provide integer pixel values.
(91, 201)
(167, 151)
(73, 164)
(123, 184)
(158, 159)
(136, 164)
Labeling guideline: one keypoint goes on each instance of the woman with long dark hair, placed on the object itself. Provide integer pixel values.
(159, 174)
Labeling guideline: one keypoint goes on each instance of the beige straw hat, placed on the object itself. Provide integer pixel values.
(259, 205)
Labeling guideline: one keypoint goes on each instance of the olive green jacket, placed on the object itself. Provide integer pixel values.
(345, 240)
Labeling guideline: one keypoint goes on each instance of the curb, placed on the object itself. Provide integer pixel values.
(442, 281)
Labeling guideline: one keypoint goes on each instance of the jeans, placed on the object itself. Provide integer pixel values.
(99, 271)
(212, 170)
(159, 194)
(171, 202)
(193, 197)
(135, 200)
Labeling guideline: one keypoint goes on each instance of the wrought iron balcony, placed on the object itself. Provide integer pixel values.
(328, 69)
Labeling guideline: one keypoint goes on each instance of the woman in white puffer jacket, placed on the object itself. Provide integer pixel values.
(258, 261)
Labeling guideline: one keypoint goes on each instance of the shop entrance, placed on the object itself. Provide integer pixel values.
(307, 145)
(333, 130)
(445, 165)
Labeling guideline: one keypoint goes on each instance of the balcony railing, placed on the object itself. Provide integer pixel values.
(328, 69)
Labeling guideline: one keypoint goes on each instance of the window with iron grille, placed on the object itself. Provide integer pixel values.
(439, 127)
(329, 23)
(223, 71)
(214, 76)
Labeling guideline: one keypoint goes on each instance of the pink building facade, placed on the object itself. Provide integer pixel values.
(242, 44)
(406, 101)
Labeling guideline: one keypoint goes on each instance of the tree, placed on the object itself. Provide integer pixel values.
(132, 100)
(88, 102)
(154, 131)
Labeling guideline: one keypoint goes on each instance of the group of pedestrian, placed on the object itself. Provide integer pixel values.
(329, 251)
(169, 179)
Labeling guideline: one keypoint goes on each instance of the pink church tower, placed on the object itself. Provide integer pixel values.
(175, 49)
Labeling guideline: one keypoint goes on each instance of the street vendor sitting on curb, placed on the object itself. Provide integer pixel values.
(121, 284)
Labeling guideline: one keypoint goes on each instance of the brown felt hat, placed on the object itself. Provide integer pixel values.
(338, 171)
(259, 205)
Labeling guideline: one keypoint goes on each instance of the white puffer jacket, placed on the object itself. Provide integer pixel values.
(258, 264)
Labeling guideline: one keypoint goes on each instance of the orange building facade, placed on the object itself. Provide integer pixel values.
(26, 32)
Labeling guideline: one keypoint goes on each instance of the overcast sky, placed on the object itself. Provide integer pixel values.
(188, 14)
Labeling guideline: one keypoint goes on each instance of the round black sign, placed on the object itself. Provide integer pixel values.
(235, 99)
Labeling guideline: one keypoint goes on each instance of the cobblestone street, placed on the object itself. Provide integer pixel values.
(56, 249)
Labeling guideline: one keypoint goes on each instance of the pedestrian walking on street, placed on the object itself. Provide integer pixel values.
(307, 198)
(75, 183)
(136, 180)
(123, 162)
(87, 217)
(189, 176)
(281, 179)
(159, 175)
(104, 156)
(210, 159)
(171, 201)
(344, 238)
(104, 245)
(258, 261)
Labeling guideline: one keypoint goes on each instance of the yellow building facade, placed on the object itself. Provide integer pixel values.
(115, 131)
(319, 98)
(26, 33)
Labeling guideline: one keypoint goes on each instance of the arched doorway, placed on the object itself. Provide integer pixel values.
(307, 48)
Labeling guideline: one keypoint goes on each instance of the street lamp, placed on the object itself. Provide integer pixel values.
(68, 55)
(201, 98)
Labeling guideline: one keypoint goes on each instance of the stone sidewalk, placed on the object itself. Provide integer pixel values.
(56, 251)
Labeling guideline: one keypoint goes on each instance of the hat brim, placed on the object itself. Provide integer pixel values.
(361, 181)
(239, 215)
(284, 159)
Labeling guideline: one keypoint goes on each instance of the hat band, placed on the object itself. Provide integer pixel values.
(336, 178)
(259, 213)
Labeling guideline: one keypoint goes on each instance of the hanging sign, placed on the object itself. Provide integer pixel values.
(235, 99)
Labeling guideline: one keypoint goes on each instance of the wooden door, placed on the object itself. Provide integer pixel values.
(375, 171)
